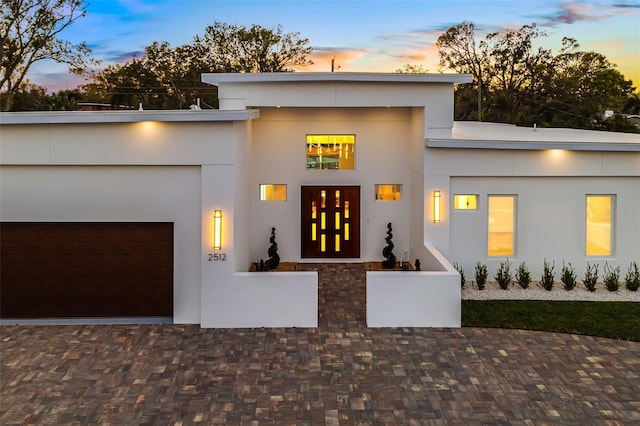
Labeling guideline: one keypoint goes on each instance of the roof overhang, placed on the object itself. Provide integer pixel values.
(94, 117)
(217, 78)
(479, 135)
(532, 146)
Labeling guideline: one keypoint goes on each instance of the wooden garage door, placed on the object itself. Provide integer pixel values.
(67, 270)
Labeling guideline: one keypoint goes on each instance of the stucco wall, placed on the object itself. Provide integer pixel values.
(550, 186)
(116, 194)
(278, 152)
(550, 221)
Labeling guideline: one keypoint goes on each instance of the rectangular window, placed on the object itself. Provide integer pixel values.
(273, 192)
(501, 225)
(388, 192)
(599, 229)
(465, 202)
(331, 152)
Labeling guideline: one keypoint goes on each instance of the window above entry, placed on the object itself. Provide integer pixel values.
(331, 152)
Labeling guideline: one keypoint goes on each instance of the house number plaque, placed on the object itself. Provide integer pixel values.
(217, 257)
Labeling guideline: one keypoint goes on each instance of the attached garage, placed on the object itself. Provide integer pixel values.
(86, 270)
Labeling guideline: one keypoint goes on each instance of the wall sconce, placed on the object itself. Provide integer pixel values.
(436, 206)
(217, 230)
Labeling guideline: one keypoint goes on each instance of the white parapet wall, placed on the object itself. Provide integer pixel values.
(264, 299)
(415, 298)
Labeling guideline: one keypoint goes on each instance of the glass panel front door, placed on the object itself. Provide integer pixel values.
(330, 221)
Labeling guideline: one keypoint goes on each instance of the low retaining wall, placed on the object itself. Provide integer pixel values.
(415, 298)
(266, 299)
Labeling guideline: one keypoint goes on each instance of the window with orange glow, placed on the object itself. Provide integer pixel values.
(465, 202)
(331, 152)
(599, 225)
(501, 225)
(388, 192)
(273, 192)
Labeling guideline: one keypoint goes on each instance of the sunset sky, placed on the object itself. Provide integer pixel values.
(374, 35)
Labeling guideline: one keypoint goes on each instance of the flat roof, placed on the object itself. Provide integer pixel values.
(127, 116)
(270, 77)
(480, 135)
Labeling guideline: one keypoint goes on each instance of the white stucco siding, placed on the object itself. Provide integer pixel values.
(550, 186)
(383, 139)
(436, 98)
(488, 162)
(550, 221)
(143, 143)
(116, 194)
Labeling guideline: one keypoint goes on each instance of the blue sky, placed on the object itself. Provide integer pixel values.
(373, 35)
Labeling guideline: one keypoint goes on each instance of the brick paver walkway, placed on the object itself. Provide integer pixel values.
(340, 373)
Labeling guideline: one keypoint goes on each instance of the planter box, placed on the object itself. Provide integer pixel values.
(265, 299)
(415, 298)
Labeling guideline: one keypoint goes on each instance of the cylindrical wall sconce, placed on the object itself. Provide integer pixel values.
(436, 206)
(217, 230)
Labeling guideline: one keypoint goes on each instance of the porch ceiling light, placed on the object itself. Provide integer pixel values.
(436, 206)
(217, 230)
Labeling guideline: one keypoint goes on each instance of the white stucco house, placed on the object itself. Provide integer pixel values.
(158, 214)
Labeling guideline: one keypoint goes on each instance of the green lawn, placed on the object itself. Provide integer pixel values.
(617, 320)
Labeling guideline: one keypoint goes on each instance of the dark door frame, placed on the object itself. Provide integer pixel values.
(338, 234)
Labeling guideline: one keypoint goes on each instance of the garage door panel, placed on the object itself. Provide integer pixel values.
(86, 270)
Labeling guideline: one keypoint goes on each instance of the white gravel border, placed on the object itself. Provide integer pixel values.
(493, 292)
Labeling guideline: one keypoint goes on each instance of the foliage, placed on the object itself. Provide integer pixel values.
(503, 275)
(274, 257)
(412, 69)
(568, 276)
(481, 275)
(616, 320)
(548, 276)
(417, 265)
(591, 277)
(516, 82)
(460, 270)
(611, 277)
(632, 279)
(232, 48)
(523, 276)
(35, 98)
(30, 33)
(387, 252)
(167, 77)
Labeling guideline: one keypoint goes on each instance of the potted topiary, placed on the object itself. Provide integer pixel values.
(387, 252)
(274, 257)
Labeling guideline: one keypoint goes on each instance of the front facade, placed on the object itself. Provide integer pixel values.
(328, 160)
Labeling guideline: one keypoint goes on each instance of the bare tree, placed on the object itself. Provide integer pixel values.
(30, 32)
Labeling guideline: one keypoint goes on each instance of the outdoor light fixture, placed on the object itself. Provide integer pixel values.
(217, 230)
(436, 206)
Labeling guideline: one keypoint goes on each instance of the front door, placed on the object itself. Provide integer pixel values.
(330, 221)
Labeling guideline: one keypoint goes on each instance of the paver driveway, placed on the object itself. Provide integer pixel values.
(340, 373)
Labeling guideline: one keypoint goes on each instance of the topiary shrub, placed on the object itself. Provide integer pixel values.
(611, 277)
(274, 258)
(523, 276)
(481, 275)
(461, 272)
(568, 277)
(387, 252)
(503, 275)
(591, 277)
(548, 277)
(632, 279)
